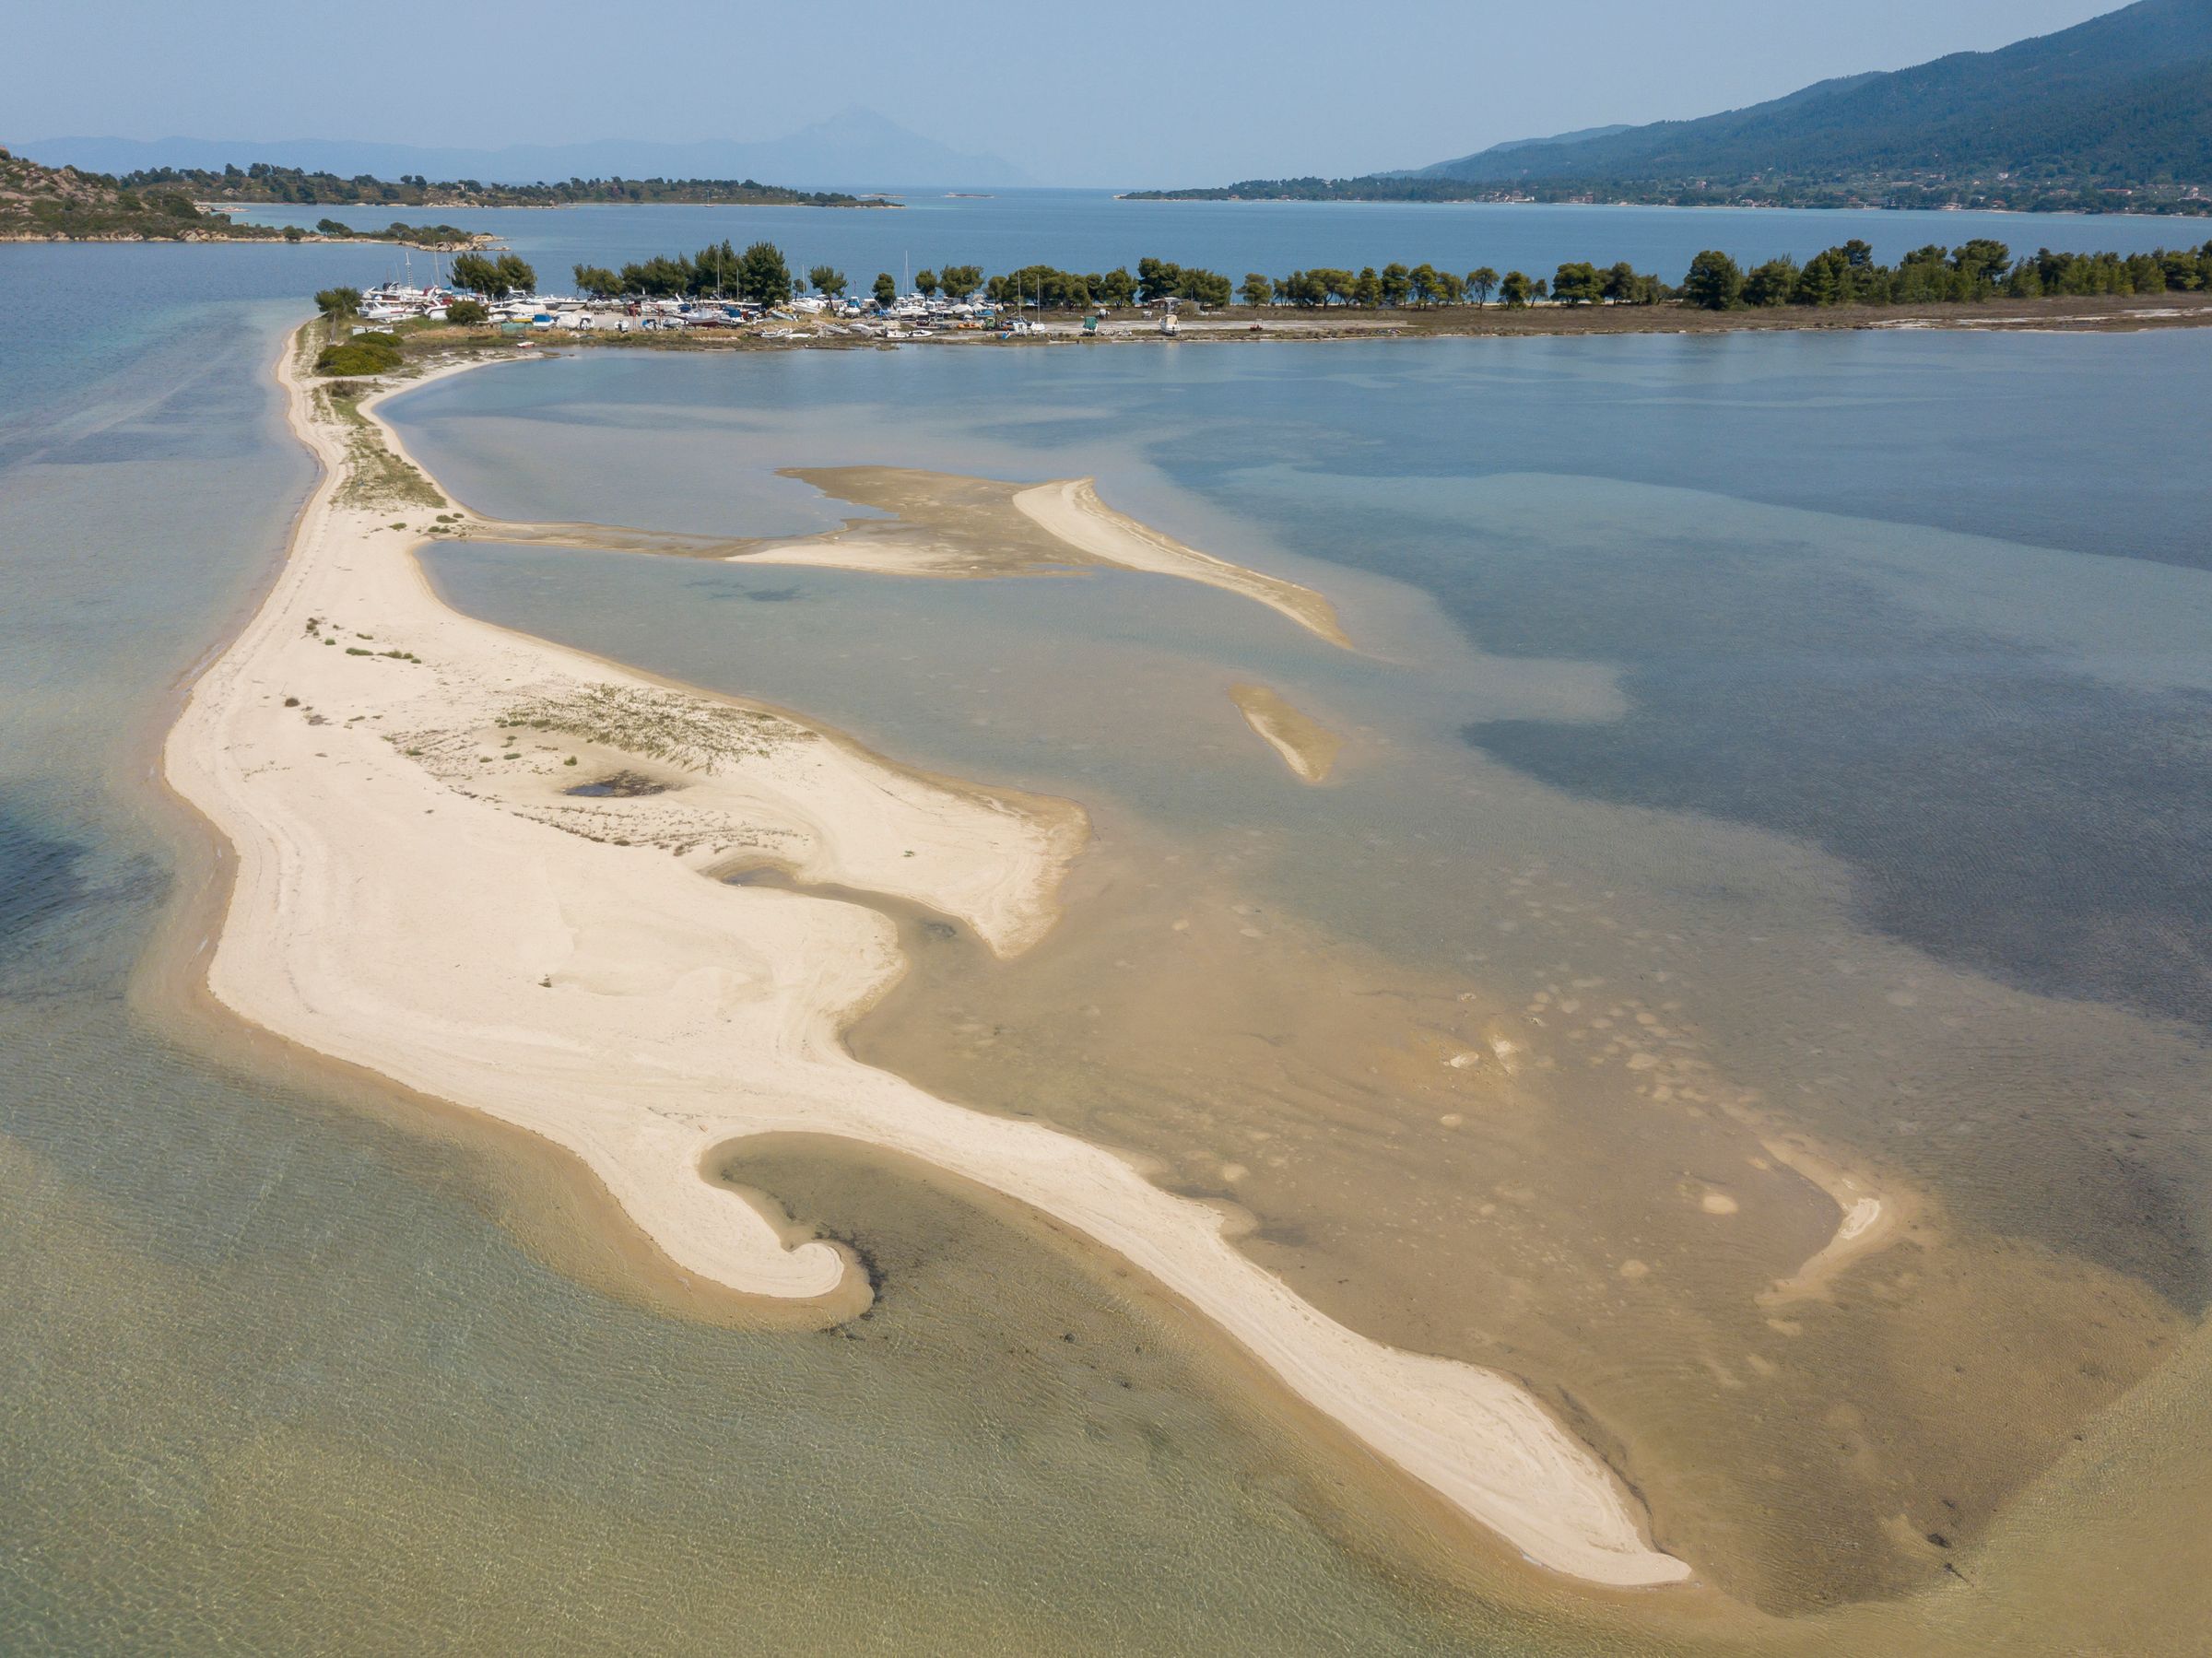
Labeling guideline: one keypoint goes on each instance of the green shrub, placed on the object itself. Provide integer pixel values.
(467, 313)
(363, 354)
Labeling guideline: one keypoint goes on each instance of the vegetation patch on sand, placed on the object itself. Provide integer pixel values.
(685, 731)
(376, 477)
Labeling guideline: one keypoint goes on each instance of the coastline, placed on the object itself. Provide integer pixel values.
(1243, 325)
(448, 919)
(275, 238)
(1223, 198)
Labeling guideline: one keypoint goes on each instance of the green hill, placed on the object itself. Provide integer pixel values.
(2115, 113)
(60, 204)
(2125, 98)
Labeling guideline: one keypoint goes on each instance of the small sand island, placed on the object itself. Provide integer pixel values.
(490, 869)
(1304, 742)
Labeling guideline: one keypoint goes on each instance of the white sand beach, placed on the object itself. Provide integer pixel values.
(418, 893)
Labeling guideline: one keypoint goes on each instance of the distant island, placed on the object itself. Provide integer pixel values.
(264, 182)
(855, 149)
(2114, 115)
(60, 204)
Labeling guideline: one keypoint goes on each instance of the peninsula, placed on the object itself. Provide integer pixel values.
(60, 204)
(265, 183)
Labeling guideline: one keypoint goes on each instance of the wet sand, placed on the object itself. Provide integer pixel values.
(418, 894)
(943, 525)
(1572, 1188)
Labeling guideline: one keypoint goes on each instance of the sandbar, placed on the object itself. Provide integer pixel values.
(1072, 510)
(421, 891)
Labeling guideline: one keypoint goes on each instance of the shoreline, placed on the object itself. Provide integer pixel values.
(276, 239)
(445, 922)
(2056, 314)
(1224, 198)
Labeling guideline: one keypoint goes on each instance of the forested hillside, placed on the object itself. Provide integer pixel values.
(2113, 115)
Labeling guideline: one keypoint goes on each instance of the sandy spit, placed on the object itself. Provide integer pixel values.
(418, 894)
(1072, 510)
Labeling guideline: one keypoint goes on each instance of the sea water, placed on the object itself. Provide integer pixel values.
(1091, 230)
(1836, 703)
(1839, 653)
(286, 1365)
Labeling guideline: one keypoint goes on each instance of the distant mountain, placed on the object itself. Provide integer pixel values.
(2116, 111)
(1583, 137)
(856, 150)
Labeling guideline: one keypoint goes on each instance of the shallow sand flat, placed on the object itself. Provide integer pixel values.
(432, 916)
(948, 525)
(1868, 1219)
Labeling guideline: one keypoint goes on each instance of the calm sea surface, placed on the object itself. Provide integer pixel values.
(1088, 231)
(1866, 678)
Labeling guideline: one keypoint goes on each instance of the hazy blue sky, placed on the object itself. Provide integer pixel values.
(1178, 94)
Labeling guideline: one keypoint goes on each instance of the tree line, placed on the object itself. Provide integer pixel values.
(1845, 275)
(1980, 269)
(419, 236)
(759, 274)
(495, 279)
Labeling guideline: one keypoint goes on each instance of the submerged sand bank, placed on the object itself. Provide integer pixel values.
(1304, 744)
(420, 894)
(944, 525)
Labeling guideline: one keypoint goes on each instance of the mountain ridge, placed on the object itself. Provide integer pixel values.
(2049, 100)
(2113, 113)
